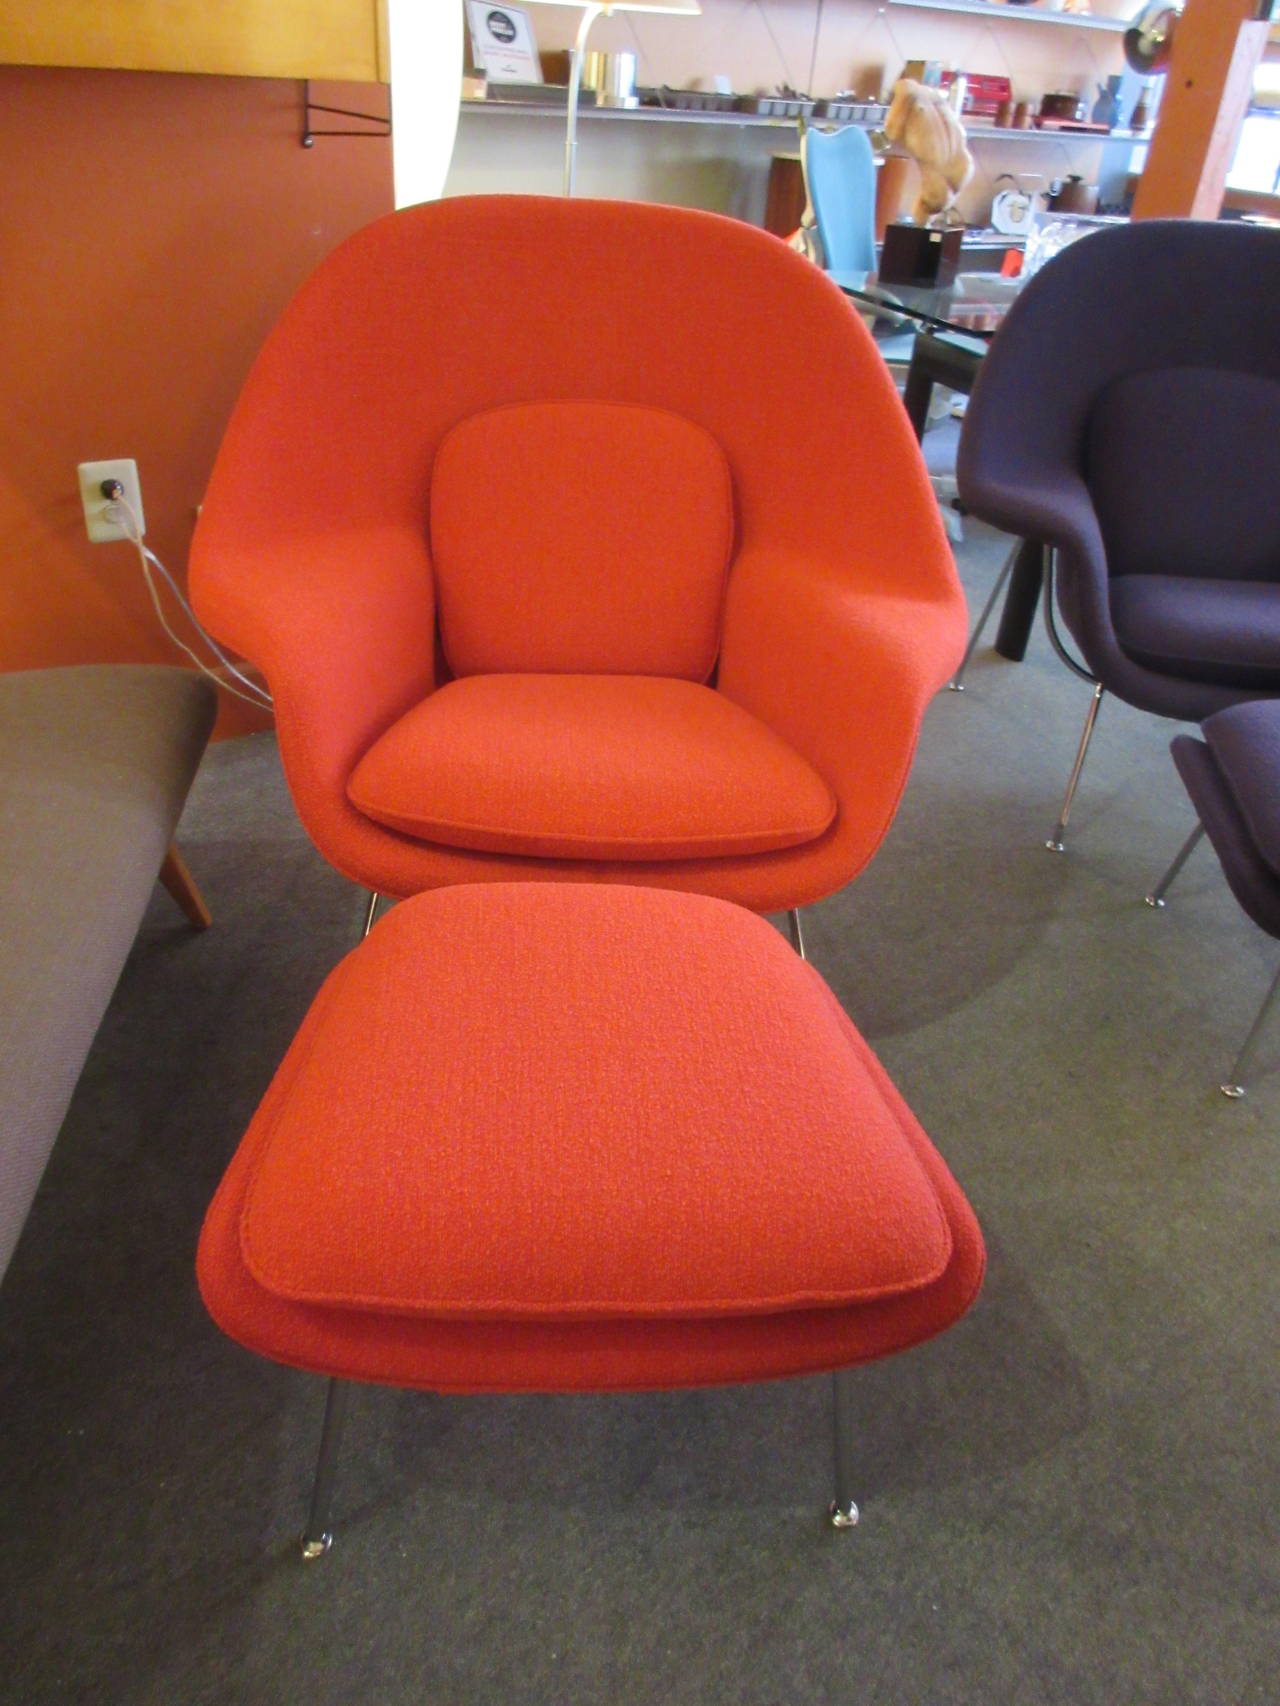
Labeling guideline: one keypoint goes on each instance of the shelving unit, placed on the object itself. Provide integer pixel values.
(1016, 14)
(724, 160)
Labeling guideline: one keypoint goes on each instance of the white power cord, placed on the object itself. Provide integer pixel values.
(120, 511)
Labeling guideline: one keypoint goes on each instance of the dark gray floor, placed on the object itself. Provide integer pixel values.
(1069, 1498)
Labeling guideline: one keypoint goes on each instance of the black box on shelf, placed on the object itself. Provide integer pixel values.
(920, 254)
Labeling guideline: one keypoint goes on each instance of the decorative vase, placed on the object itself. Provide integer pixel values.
(1073, 195)
(1106, 109)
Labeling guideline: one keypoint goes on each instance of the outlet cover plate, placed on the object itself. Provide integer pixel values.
(91, 475)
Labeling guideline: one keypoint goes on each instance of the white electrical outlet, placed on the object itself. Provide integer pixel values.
(98, 523)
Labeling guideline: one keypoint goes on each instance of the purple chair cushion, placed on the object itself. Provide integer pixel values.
(1245, 743)
(1201, 628)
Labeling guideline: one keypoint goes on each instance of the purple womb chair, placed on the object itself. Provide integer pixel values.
(1128, 418)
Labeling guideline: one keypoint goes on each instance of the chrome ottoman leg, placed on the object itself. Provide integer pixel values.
(1156, 897)
(1234, 1087)
(316, 1536)
(843, 1511)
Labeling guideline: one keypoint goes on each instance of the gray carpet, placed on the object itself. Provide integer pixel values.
(1069, 1498)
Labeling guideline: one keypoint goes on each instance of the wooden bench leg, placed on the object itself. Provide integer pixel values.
(178, 880)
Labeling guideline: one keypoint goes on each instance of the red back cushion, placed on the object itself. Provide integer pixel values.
(580, 537)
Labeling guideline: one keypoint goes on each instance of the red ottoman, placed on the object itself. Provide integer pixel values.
(553, 1138)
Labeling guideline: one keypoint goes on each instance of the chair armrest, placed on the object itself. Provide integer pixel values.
(1029, 496)
(843, 672)
(1053, 507)
(341, 624)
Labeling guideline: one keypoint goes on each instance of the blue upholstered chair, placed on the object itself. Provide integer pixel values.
(1128, 416)
(839, 170)
(840, 186)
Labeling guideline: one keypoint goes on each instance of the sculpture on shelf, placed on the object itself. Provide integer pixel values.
(921, 121)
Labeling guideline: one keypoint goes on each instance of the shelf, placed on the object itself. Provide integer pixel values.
(651, 115)
(754, 121)
(1007, 133)
(1017, 14)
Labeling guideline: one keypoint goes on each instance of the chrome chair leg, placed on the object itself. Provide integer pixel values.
(371, 913)
(843, 1511)
(1234, 1087)
(956, 684)
(1156, 897)
(1055, 842)
(316, 1536)
(796, 933)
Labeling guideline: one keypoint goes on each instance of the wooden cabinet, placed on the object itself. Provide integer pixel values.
(339, 40)
(784, 204)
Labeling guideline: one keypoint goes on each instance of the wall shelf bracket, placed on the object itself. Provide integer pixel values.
(374, 124)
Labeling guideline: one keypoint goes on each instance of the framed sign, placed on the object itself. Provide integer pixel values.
(502, 43)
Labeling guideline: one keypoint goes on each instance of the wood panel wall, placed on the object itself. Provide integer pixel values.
(152, 226)
(340, 39)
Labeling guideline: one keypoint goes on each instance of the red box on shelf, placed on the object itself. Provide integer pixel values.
(984, 95)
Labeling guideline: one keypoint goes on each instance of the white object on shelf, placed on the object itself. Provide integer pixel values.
(502, 42)
(1013, 211)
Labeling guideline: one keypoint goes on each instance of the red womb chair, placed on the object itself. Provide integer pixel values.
(581, 540)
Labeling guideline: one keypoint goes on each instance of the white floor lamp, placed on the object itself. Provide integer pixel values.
(425, 48)
(591, 10)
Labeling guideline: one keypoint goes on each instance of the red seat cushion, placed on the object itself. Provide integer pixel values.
(582, 537)
(582, 767)
(565, 1108)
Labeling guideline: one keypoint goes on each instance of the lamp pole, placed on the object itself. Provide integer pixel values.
(589, 15)
(591, 10)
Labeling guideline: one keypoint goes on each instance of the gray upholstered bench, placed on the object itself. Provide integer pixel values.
(95, 764)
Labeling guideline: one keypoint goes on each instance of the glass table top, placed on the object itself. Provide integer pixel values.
(973, 306)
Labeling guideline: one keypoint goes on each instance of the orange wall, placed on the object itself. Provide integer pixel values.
(152, 226)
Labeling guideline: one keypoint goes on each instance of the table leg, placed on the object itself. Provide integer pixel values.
(936, 361)
(1020, 601)
(917, 394)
